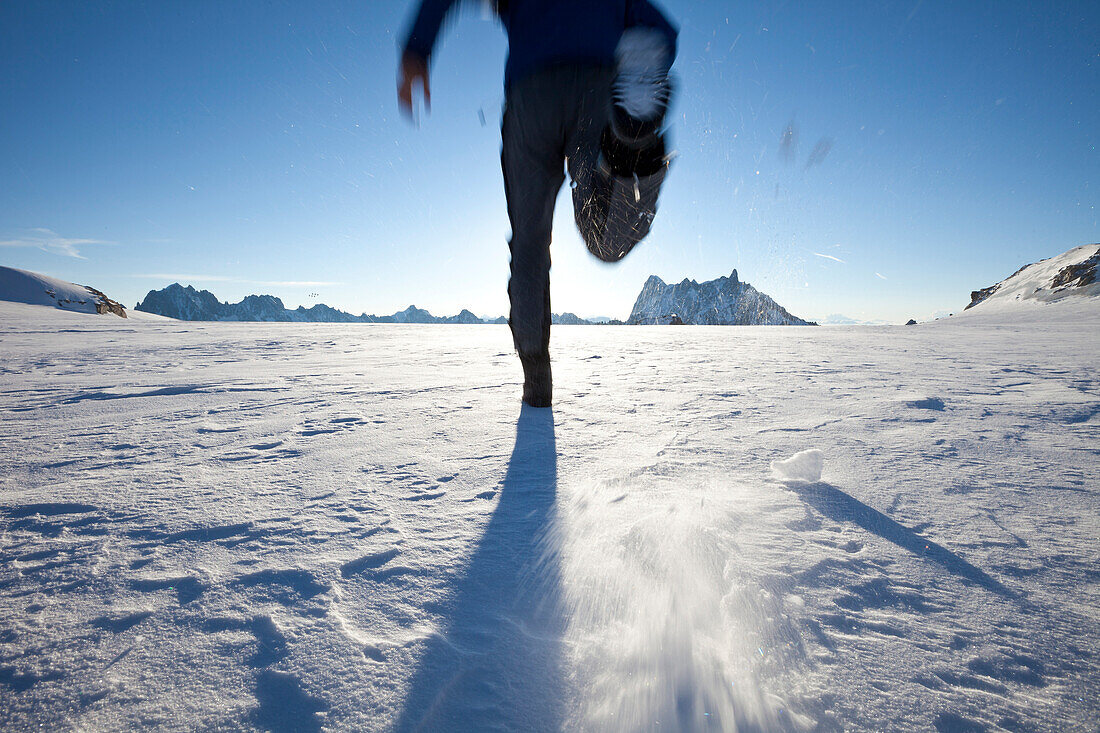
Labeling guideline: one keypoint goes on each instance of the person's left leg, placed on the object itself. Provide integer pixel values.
(531, 159)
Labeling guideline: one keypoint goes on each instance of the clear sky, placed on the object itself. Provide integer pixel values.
(257, 148)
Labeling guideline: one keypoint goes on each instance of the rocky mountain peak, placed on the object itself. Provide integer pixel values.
(720, 302)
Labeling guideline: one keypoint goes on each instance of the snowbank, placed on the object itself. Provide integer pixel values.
(22, 286)
(1071, 275)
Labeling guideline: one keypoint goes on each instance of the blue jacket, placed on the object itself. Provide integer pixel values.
(542, 33)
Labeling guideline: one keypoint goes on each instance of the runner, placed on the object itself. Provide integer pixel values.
(586, 87)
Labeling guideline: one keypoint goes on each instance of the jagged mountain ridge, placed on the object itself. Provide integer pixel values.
(726, 301)
(185, 303)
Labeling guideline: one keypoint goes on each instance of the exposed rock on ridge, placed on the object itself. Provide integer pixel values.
(723, 302)
(23, 286)
(1073, 273)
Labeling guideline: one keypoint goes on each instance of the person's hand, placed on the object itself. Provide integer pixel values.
(414, 68)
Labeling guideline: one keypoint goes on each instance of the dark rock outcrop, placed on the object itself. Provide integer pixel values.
(1078, 275)
(103, 304)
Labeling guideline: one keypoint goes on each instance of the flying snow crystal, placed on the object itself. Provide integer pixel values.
(819, 153)
(802, 466)
(788, 142)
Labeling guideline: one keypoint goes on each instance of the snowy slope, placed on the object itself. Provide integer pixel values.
(22, 286)
(1071, 275)
(354, 527)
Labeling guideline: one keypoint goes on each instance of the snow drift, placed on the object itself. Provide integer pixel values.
(22, 286)
(804, 466)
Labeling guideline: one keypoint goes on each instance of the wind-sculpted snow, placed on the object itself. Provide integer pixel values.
(804, 466)
(357, 527)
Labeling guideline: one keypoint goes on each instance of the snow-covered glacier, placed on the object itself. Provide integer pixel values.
(355, 527)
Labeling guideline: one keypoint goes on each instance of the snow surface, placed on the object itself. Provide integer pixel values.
(356, 527)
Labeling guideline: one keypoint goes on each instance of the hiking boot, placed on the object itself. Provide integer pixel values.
(616, 211)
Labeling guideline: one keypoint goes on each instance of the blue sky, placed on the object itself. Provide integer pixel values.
(257, 147)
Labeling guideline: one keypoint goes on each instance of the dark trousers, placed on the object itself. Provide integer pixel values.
(553, 119)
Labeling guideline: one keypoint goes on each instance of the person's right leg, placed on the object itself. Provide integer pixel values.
(619, 166)
(532, 157)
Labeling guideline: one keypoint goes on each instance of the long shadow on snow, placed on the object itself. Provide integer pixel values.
(496, 663)
(841, 507)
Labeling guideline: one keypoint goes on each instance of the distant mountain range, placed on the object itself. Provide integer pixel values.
(723, 302)
(1074, 274)
(189, 304)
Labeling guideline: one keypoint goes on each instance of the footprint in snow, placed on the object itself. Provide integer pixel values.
(372, 561)
(284, 705)
(309, 432)
(271, 644)
(280, 583)
(187, 587)
(425, 497)
(216, 428)
(120, 623)
(926, 403)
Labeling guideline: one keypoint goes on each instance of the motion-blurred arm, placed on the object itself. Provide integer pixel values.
(417, 51)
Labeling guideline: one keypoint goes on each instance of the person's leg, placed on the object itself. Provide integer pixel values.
(591, 112)
(531, 158)
(616, 206)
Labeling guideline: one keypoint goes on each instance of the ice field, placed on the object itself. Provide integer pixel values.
(356, 527)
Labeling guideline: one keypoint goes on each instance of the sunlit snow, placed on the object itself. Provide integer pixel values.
(357, 527)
